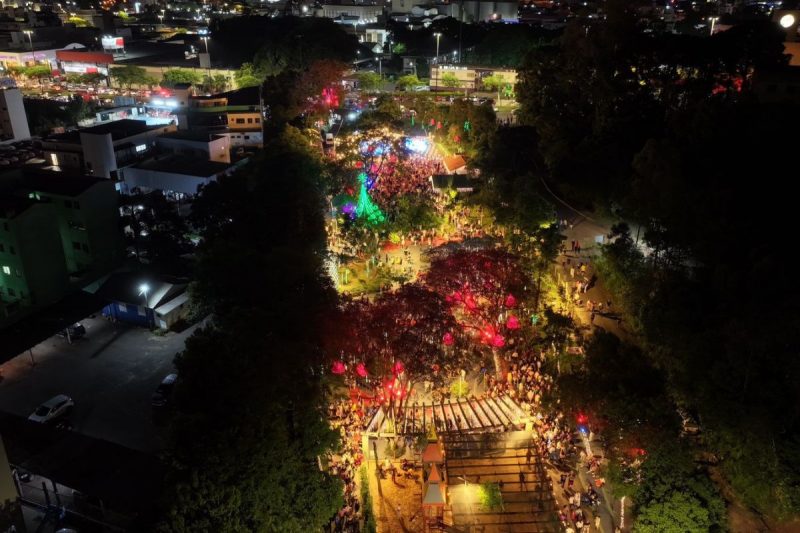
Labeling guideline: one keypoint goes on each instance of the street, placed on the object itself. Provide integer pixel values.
(111, 374)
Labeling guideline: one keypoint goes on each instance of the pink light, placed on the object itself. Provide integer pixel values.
(511, 301)
(361, 370)
(338, 367)
(512, 322)
(498, 341)
(469, 301)
(448, 339)
(399, 368)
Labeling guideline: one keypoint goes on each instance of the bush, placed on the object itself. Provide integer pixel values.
(489, 496)
(370, 526)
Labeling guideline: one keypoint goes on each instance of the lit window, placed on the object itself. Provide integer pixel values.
(141, 148)
(6, 270)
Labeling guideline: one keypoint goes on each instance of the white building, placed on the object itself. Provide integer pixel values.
(13, 120)
(103, 150)
(173, 174)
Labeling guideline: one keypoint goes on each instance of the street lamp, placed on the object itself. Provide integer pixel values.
(29, 33)
(713, 23)
(205, 40)
(436, 80)
(144, 288)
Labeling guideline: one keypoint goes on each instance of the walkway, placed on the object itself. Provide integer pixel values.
(528, 504)
(464, 415)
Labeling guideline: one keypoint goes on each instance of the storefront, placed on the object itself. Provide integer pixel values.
(76, 62)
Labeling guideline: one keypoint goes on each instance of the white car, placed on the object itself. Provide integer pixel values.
(52, 409)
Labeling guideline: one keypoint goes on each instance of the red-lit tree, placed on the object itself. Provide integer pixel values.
(483, 289)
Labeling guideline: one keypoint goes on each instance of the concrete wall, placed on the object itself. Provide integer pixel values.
(98, 154)
(164, 181)
(13, 119)
(39, 256)
(94, 225)
(132, 314)
(216, 149)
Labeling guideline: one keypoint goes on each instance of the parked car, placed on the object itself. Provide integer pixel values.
(53, 409)
(76, 331)
(164, 390)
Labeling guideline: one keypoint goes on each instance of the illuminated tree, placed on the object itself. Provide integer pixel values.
(366, 209)
(483, 289)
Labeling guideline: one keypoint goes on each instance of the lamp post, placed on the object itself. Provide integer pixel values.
(144, 288)
(713, 23)
(205, 40)
(436, 80)
(29, 33)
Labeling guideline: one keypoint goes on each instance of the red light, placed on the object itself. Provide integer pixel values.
(582, 419)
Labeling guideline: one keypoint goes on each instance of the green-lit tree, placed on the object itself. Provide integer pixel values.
(130, 75)
(408, 81)
(450, 80)
(175, 76)
(369, 81)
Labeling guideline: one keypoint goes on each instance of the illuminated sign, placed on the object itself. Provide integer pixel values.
(112, 43)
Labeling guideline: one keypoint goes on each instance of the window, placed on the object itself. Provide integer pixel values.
(122, 308)
(257, 120)
(76, 245)
(141, 148)
(76, 205)
(6, 270)
(240, 121)
(246, 136)
(249, 120)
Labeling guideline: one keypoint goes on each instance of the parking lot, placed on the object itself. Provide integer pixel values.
(110, 373)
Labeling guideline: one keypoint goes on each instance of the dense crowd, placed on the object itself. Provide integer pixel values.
(393, 180)
(346, 417)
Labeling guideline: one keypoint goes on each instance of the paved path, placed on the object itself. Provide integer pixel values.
(528, 503)
(111, 374)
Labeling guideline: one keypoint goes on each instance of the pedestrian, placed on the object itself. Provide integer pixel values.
(597, 522)
(528, 456)
(572, 272)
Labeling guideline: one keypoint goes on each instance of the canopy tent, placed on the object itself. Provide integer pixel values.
(434, 495)
(433, 453)
(434, 476)
(455, 164)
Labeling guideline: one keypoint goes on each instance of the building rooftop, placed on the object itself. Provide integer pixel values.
(126, 287)
(57, 183)
(119, 129)
(244, 96)
(191, 135)
(11, 206)
(187, 166)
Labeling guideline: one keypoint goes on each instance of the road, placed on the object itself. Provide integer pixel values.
(110, 374)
